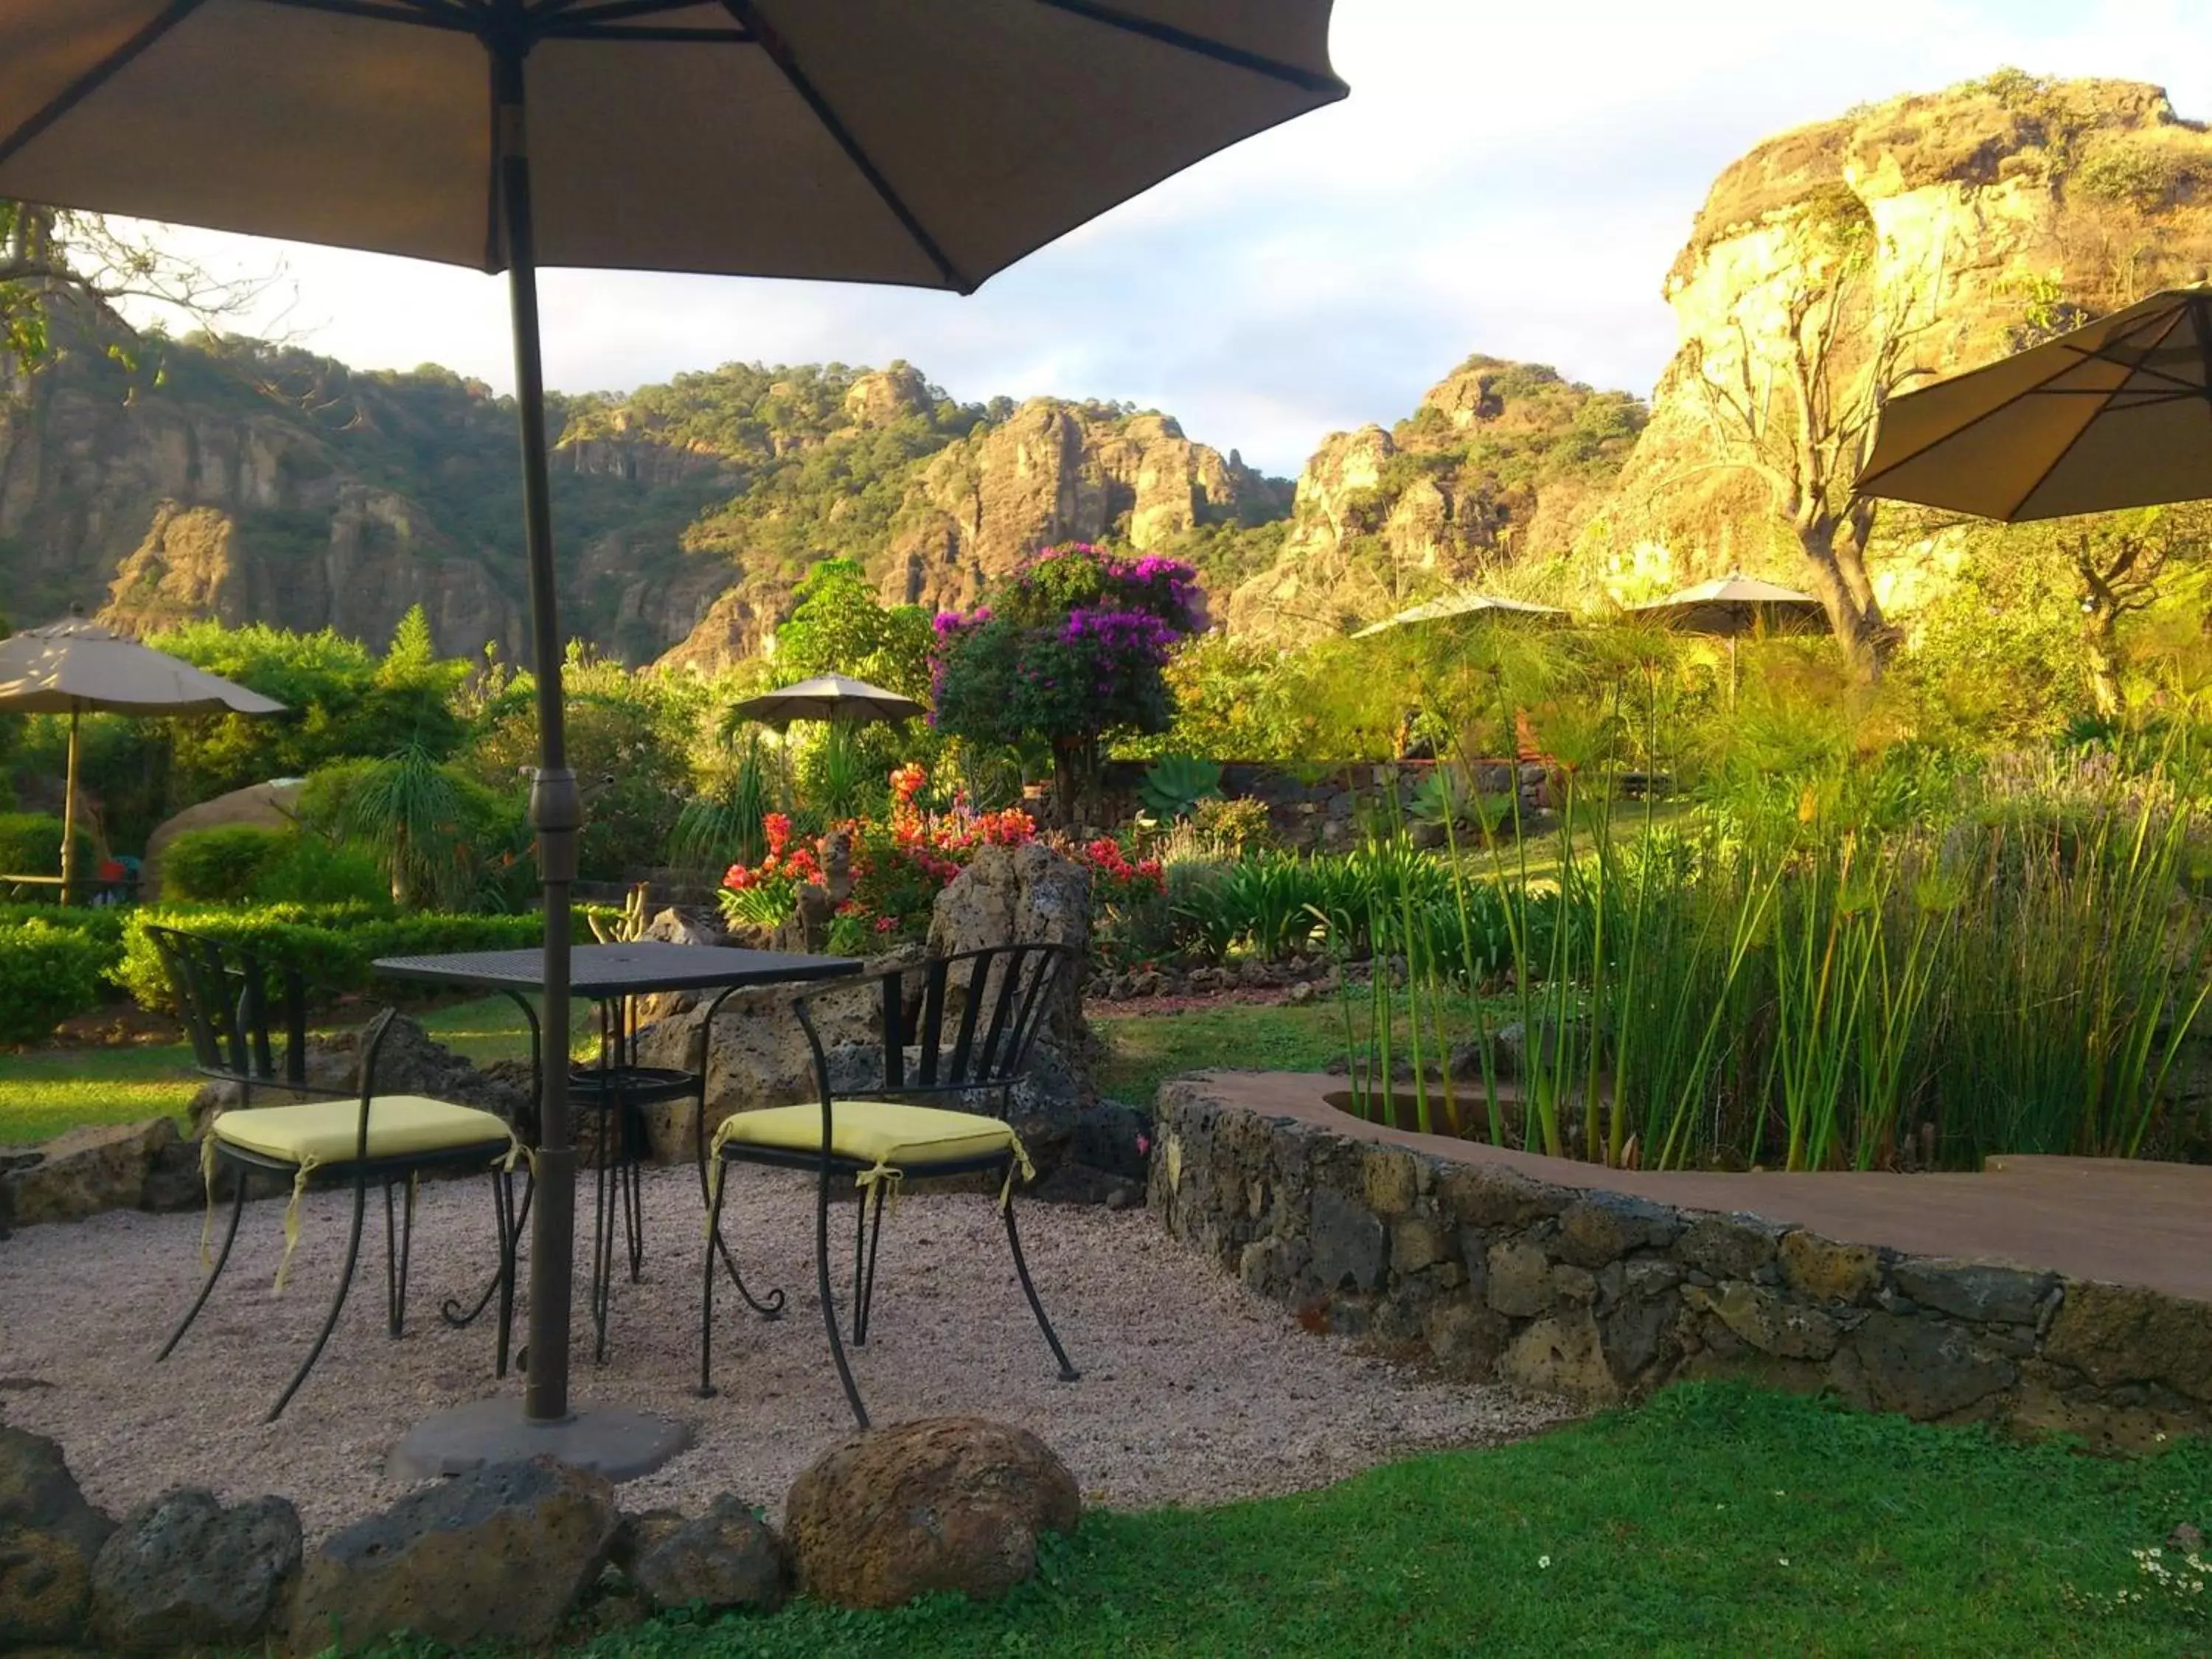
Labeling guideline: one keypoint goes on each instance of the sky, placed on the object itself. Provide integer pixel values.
(1512, 177)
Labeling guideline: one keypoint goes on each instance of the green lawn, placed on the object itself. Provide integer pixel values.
(46, 1091)
(1142, 1050)
(1717, 1520)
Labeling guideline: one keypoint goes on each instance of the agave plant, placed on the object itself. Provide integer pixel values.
(1175, 784)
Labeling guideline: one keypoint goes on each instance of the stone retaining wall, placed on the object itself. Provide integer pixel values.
(1488, 1273)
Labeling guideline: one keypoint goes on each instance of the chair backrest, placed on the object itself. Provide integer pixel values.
(236, 1007)
(958, 1023)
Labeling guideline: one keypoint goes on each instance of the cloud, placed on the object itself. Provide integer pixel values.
(1508, 179)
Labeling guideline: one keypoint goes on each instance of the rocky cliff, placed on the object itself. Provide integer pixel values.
(1925, 235)
(252, 483)
(1501, 463)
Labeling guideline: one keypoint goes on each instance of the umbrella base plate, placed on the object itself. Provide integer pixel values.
(617, 1442)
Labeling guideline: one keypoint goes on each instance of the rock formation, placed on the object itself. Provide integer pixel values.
(1500, 462)
(1960, 225)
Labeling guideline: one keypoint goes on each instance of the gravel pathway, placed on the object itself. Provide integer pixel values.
(1193, 1392)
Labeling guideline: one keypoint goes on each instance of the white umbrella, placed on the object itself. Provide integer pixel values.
(836, 698)
(1460, 604)
(76, 667)
(1731, 607)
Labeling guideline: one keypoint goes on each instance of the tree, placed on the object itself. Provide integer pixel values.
(838, 627)
(1072, 651)
(1796, 402)
(2117, 564)
(56, 260)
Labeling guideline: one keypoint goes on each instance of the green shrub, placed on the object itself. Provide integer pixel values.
(47, 973)
(222, 865)
(314, 871)
(31, 845)
(332, 945)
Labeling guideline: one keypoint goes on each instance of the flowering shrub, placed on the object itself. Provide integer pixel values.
(765, 894)
(897, 868)
(1075, 648)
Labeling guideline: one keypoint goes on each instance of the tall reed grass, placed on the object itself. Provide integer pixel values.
(2006, 970)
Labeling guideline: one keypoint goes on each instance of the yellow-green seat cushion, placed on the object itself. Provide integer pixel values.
(879, 1132)
(327, 1131)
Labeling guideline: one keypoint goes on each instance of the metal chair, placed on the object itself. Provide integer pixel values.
(954, 1028)
(247, 1018)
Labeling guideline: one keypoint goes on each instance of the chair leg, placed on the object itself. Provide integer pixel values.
(707, 1291)
(634, 1150)
(406, 1254)
(872, 1198)
(606, 1182)
(1067, 1371)
(512, 1223)
(502, 1205)
(338, 1302)
(222, 1257)
(828, 1303)
(769, 1306)
(398, 1246)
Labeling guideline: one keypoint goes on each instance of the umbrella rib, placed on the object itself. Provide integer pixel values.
(422, 13)
(779, 54)
(1167, 35)
(569, 16)
(2043, 387)
(97, 76)
(2082, 431)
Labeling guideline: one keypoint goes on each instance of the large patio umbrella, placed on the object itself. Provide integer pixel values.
(866, 141)
(2115, 415)
(1462, 605)
(836, 698)
(76, 667)
(1733, 606)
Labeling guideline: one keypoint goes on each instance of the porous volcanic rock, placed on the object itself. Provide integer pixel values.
(728, 1557)
(50, 1535)
(500, 1555)
(183, 1572)
(945, 1503)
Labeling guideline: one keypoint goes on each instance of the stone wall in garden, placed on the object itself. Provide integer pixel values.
(1488, 1273)
(1317, 804)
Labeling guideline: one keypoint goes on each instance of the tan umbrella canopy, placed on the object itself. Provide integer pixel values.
(1733, 606)
(832, 697)
(876, 141)
(77, 667)
(1460, 604)
(2115, 415)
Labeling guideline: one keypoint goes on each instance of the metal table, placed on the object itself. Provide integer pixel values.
(612, 975)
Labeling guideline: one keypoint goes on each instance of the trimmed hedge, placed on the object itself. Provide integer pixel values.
(333, 945)
(31, 845)
(220, 865)
(47, 974)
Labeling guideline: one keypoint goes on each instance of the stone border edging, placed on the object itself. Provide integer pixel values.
(1489, 1271)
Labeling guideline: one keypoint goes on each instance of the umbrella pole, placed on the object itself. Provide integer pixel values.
(614, 1440)
(68, 813)
(556, 807)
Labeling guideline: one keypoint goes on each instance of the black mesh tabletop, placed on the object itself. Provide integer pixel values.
(600, 971)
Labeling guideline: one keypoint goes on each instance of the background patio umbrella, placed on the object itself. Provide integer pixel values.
(832, 697)
(2112, 416)
(1461, 604)
(76, 666)
(1733, 606)
(869, 141)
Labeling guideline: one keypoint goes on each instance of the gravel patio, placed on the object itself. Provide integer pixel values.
(1194, 1391)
